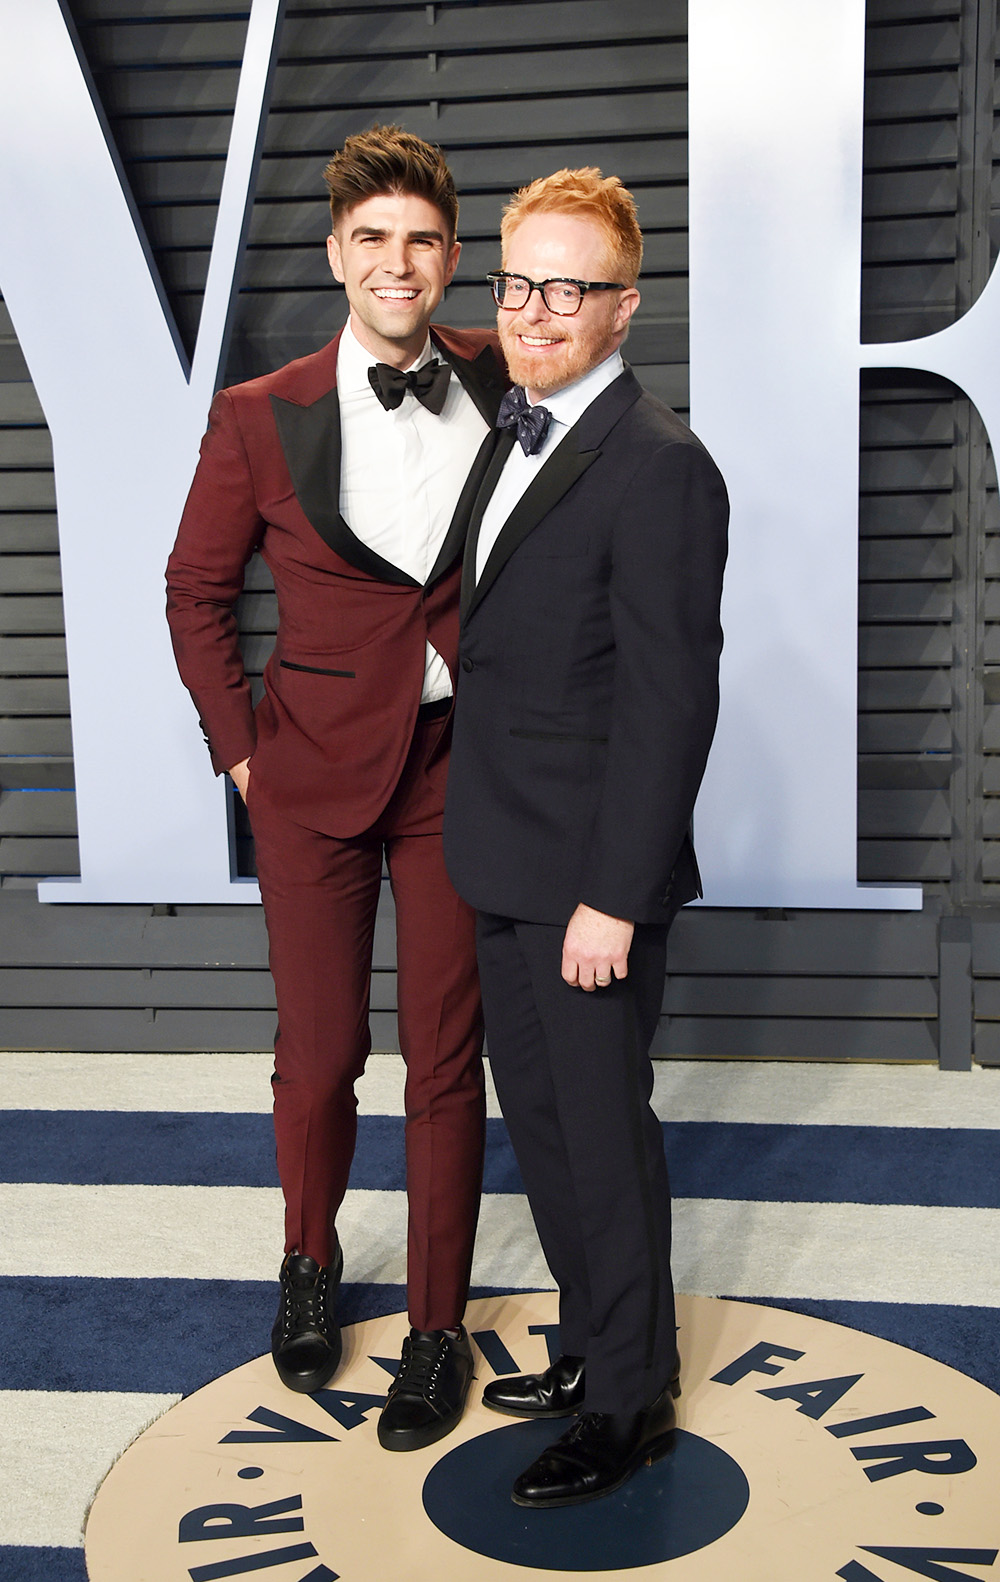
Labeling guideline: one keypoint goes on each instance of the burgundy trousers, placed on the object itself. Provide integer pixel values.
(320, 898)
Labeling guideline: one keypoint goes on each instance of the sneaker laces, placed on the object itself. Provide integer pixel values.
(419, 1367)
(305, 1306)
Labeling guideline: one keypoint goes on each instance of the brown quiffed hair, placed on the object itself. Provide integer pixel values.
(385, 159)
(593, 197)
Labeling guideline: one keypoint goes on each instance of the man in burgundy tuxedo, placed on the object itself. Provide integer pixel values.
(349, 471)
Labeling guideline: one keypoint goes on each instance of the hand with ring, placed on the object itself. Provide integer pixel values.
(595, 949)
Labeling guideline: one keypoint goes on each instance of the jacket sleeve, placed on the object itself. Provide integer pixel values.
(668, 554)
(219, 531)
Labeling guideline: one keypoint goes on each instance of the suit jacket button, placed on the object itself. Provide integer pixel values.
(467, 664)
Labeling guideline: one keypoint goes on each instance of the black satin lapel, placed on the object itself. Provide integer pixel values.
(559, 473)
(481, 378)
(501, 443)
(310, 439)
(459, 525)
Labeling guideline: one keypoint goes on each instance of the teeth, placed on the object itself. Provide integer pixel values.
(536, 340)
(395, 296)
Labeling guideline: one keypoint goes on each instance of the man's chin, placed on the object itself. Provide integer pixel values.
(541, 374)
(400, 327)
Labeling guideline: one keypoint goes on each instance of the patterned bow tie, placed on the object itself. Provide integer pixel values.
(531, 422)
(429, 384)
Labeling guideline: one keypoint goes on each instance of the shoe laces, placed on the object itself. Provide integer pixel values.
(305, 1306)
(583, 1427)
(419, 1367)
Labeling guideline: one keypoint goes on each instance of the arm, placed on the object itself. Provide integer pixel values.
(219, 531)
(668, 553)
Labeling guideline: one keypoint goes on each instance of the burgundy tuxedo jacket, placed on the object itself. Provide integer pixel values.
(329, 738)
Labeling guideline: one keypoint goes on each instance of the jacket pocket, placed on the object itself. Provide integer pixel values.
(316, 670)
(555, 736)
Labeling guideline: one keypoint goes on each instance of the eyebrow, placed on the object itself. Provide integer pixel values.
(411, 236)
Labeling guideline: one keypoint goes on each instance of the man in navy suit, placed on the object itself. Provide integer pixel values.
(588, 698)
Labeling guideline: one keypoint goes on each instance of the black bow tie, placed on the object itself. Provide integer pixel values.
(531, 422)
(429, 384)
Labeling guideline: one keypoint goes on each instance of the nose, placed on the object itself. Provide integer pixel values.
(534, 309)
(396, 258)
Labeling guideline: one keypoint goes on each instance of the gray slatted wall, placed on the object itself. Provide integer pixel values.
(510, 91)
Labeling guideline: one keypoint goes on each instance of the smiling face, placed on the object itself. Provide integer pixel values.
(394, 256)
(545, 352)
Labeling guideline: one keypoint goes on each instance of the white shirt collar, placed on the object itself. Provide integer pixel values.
(354, 361)
(568, 405)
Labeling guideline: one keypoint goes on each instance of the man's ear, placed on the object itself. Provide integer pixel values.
(452, 262)
(333, 256)
(624, 309)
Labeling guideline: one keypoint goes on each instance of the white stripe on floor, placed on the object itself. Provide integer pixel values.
(818, 1094)
(685, 1090)
(854, 1252)
(850, 1251)
(55, 1448)
(231, 1233)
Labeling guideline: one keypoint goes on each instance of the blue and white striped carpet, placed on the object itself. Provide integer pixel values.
(140, 1232)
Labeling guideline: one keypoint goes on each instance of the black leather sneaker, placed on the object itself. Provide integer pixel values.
(305, 1340)
(427, 1396)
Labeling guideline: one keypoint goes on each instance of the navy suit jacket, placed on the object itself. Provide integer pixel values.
(588, 688)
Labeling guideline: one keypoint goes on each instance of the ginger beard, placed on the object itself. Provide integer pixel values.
(572, 346)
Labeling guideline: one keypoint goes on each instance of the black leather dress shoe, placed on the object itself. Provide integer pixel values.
(305, 1340)
(426, 1397)
(597, 1455)
(558, 1392)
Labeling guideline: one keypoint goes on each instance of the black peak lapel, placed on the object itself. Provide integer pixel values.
(481, 377)
(310, 439)
(566, 464)
(497, 448)
(599, 419)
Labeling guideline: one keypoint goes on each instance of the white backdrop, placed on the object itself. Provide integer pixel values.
(776, 101)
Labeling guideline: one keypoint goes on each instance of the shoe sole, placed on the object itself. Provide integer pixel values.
(308, 1383)
(511, 1411)
(418, 1439)
(654, 1451)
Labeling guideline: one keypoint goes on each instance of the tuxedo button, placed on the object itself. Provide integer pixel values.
(467, 664)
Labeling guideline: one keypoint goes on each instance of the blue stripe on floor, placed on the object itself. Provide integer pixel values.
(41, 1563)
(956, 1168)
(966, 1338)
(156, 1337)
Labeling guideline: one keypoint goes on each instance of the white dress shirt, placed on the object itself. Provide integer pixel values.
(566, 407)
(401, 472)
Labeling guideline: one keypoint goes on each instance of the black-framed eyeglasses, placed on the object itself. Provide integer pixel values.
(562, 297)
